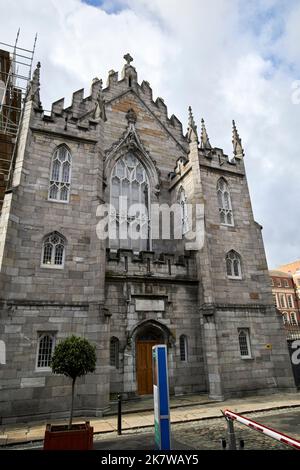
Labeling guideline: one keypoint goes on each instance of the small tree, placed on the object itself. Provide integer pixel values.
(74, 357)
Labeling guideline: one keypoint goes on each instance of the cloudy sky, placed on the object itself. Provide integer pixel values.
(229, 59)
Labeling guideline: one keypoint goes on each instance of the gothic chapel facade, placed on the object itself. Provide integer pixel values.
(210, 304)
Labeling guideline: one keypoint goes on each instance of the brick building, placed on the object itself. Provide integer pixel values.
(208, 298)
(286, 300)
(293, 269)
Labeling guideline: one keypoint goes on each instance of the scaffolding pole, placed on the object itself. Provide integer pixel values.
(14, 82)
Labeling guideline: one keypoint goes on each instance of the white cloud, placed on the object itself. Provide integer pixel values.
(228, 59)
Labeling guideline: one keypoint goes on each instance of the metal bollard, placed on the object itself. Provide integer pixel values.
(231, 435)
(119, 414)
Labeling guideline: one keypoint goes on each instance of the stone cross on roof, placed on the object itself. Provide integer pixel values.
(128, 58)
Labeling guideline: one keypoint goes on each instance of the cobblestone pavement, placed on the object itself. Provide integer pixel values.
(207, 434)
(201, 435)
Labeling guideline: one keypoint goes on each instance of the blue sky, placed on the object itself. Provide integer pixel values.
(108, 6)
(229, 59)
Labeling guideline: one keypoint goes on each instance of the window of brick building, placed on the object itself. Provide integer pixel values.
(290, 301)
(282, 301)
(293, 318)
(285, 318)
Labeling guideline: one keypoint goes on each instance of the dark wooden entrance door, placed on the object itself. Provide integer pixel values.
(144, 366)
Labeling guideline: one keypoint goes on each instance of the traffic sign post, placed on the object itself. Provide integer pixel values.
(161, 397)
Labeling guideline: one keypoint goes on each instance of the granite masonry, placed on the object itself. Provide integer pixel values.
(210, 304)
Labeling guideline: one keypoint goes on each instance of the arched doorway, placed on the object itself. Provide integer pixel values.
(147, 336)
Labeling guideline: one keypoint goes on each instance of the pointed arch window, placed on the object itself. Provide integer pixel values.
(224, 201)
(129, 199)
(53, 253)
(114, 352)
(244, 343)
(183, 348)
(45, 350)
(60, 175)
(233, 265)
(183, 211)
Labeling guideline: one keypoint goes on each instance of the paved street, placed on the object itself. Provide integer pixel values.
(201, 435)
(207, 434)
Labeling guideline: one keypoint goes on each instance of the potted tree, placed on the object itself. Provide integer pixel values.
(73, 357)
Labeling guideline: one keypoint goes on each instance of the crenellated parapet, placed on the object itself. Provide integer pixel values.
(216, 158)
(80, 120)
(125, 262)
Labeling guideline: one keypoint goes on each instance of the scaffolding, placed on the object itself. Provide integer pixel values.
(15, 74)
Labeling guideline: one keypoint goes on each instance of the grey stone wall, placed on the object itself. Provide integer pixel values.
(26, 391)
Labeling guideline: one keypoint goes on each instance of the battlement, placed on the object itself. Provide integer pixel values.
(124, 262)
(82, 118)
(216, 158)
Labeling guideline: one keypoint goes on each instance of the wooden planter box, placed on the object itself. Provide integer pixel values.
(59, 437)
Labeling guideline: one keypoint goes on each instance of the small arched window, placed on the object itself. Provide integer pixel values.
(45, 350)
(60, 175)
(224, 201)
(53, 253)
(244, 343)
(114, 352)
(233, 265)
(183, 348)
(183, 211)
(293, 318)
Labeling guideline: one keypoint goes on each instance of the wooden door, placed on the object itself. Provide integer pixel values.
(144, 366)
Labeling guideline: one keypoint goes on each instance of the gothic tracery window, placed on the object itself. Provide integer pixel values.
(60, 176)
(53, 253)
(233, 265)
(224, 201)
(129, 199)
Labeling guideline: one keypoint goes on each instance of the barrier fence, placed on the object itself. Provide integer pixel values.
(231, 417)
